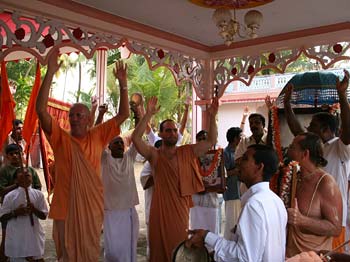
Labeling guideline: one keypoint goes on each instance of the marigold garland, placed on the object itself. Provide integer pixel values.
(281, 183)
(276, 132)
(213, 165)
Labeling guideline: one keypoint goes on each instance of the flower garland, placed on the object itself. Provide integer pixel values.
(286, 182)
(276, 132)
(276, 139)
(281, 183)
(215, 162)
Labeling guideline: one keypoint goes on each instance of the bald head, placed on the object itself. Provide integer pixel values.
(79, 120)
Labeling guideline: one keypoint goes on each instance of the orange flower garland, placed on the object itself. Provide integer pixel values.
(276, 132)
(213, 165)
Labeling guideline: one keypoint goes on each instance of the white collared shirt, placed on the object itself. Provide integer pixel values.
(118, 180)
(23, 239)
(246, 142)
(338, 156)
(261, 230)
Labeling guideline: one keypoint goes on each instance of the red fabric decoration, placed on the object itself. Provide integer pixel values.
(31, 118)
(20, 33)
(7, 106)
(48, 41)
(176, 68)
(160, 53)
(272, 57)
(78, 33)
(234, 71)
(250, 69)
(337, 48)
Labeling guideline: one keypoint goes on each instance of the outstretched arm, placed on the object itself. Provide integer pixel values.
(102, 109)
(203, 146)
(344, 108)
(144, 149)
(120, 73)
(43, 95)
(184, 117)
(293, 123)
(244, 117)
(93, 110)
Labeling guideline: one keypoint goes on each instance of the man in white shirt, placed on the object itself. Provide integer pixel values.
(260, 234)
(259, 135)
(336, 149)
(121, 221)
(25, 237)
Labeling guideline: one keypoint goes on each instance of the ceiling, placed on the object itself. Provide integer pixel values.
(184, 19)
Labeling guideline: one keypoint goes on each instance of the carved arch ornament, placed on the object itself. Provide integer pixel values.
(38, 36)
(244, 68)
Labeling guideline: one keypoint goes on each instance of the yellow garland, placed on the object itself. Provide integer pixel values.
(213, 165)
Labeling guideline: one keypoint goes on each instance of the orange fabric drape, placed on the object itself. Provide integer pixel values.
(7, 106)
(59, 111)
(31, 118)
(171, 201)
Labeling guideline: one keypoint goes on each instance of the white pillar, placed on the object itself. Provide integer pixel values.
(101, 75)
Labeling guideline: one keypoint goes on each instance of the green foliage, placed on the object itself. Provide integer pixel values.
(22, 75)
(159, 82)
(302, 64)
(24, 88)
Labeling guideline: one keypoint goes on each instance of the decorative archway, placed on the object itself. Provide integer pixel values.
(38, 37)
(244, 68)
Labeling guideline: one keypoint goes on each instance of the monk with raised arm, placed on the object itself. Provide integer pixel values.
(176, 179)
(317, 215)
(77, 204)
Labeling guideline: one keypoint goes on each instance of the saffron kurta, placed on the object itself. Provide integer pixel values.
(169, 214)
(78, 192)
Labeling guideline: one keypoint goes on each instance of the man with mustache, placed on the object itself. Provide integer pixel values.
(259, 135)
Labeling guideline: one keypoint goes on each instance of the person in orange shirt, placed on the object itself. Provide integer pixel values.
(176, 179)
(77, 204)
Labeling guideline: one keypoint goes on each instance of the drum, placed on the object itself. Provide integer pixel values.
(184, 254)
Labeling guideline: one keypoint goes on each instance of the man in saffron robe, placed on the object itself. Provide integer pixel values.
(176, 179)
(77, 204)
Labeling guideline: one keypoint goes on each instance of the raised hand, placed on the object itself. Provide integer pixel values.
(94, 102)
(214, 107)
(343, 85)
(288, 93)
(102, 109)
(268, 102)
(119, 72)
(152, 106)
(246, 111)
(52, 63)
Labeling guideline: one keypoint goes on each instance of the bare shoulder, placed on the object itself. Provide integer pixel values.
(328, 186)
